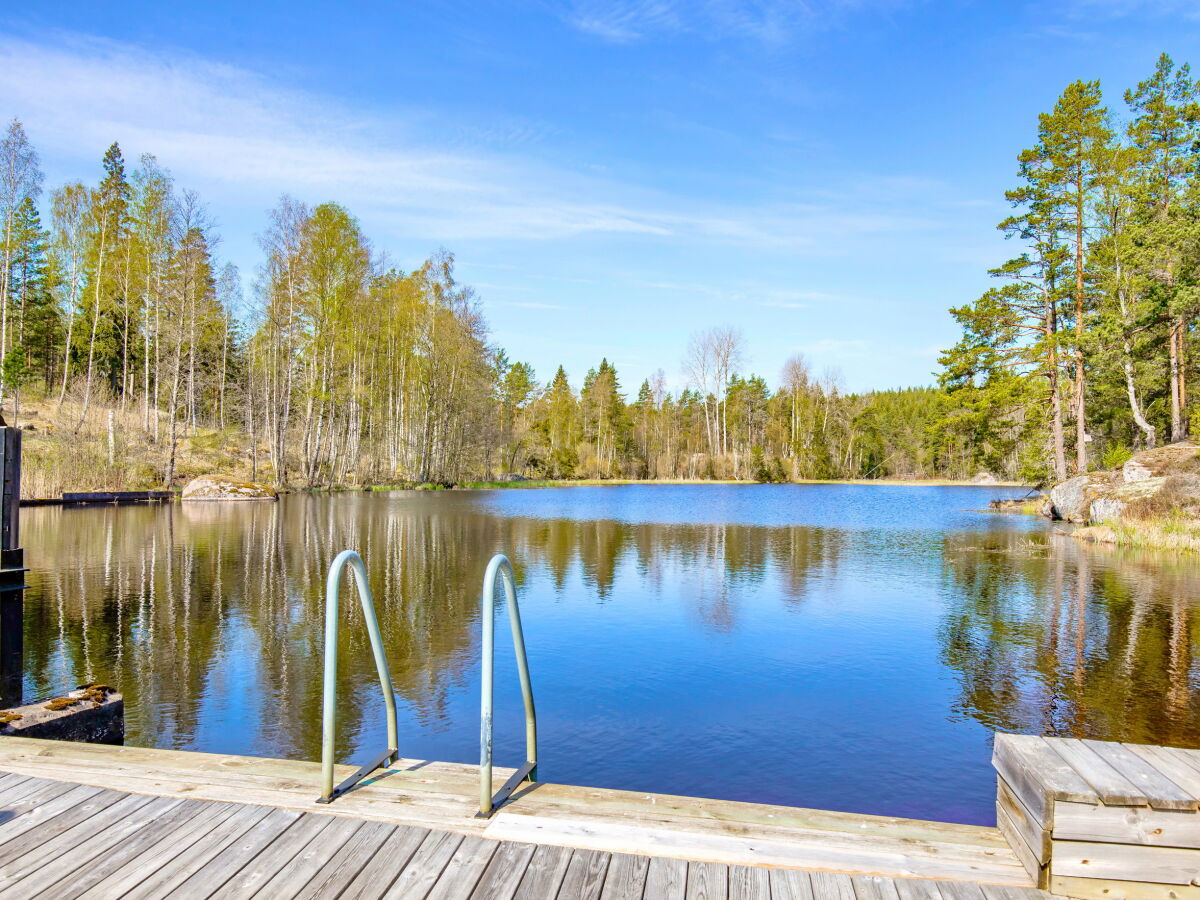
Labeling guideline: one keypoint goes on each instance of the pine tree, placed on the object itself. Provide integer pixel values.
(1164, 133)
(20, 180)
(1074, 147)
(33, 317)
(108, 212)
(561, 426)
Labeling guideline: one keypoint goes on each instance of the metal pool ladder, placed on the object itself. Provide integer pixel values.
(487, 802)
(329, 709)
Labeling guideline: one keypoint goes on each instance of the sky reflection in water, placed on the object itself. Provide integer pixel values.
(829, 646)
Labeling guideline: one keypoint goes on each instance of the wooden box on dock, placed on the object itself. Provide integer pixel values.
(1094, 819)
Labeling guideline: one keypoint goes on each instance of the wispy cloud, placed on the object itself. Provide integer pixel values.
(770, 22)
(242, 137)
(232, 129)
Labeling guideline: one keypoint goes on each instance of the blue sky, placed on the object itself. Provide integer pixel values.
(823, 174)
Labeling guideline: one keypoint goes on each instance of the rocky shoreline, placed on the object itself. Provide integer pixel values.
(1154, 483)
(1152, 501)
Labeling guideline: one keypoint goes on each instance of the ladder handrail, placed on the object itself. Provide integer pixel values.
(333, 585)
(487, 802)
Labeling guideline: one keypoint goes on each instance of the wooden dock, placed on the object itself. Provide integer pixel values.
(88, 820)
(1099, 819)
(94, 498)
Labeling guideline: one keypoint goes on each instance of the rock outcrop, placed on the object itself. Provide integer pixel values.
(1071, 501)
(1152, 483)
(1174, 459)
(222, 487)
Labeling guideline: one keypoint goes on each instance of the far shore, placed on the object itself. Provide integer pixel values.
(532, 484)
(616, 482)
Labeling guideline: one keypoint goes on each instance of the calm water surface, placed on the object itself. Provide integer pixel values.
(841, 647)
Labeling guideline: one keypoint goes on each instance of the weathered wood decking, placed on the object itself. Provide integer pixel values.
(1098, 819)
(64, 841)
(102, 821)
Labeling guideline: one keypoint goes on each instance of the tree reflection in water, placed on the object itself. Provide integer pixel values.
(1052, 636)
(833, 658)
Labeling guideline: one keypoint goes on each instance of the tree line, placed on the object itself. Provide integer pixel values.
(341, 368)
(1084, 350)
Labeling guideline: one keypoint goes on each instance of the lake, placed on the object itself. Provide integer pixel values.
(832, 646)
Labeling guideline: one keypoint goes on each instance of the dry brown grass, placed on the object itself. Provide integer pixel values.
(1179, 496)
(63, 450)
(1174, 532)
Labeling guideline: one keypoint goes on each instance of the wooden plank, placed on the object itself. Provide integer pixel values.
(31, 795)
(1126, 825)
(1030, 830)
(693, 813)
(10, 800)
(425, 867)
(707, 881)
(235, 779)
(41, 812)
(293, 876)
(295, 775)
(387, 863)
(904, 837)
(220, 868)
(1038, 775)
(585, 875)
(75, 850)
(832, 886)
(791, 884)
(504, 872)
(10, 781)
(1003, 892)
(1125, 862)
(959, 890)
(344, 866)
(1113, 788)
(544, 875)
(1160, 791)
(868, 855)
(108, 851)
(874, 887)
(917, 889)
(626, 878)
(1098, 889)
(67, 828)
(1008, 892)
(1174, 766)
(464, 870)
(162, 879)
(261, 868)
(171, 845)
(666, 878)
(1027, 855)
(746, 883)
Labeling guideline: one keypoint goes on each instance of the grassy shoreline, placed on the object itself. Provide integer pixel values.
(1166, 533)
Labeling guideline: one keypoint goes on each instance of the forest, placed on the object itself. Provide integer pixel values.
(137, 358)
(1084, 350)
